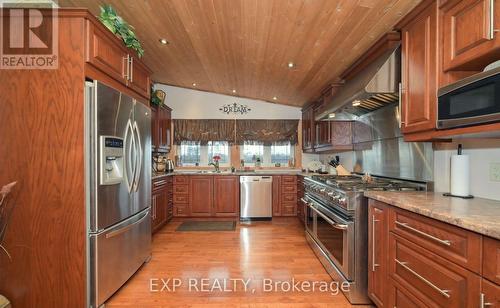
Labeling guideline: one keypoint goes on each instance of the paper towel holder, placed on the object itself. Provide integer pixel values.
(454, 196)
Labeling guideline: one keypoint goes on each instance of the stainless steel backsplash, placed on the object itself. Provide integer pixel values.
(380, 149)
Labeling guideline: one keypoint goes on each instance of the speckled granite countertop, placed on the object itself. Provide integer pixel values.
(281, 172)
(478, 215)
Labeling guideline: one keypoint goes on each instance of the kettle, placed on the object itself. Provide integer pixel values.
(169, 165)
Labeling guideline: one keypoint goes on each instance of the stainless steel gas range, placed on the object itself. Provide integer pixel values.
(336, 222)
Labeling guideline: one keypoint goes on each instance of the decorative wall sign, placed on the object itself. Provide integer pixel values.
(235, 109)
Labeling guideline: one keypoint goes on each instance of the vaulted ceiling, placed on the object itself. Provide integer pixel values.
(246, 45)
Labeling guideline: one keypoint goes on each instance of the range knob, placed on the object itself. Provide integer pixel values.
(342, 200)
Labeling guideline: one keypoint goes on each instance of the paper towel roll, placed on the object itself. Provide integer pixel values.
(460, 176)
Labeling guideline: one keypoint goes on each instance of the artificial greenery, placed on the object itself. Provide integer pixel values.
(120, 27)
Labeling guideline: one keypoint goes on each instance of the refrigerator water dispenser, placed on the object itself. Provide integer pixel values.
(111, 160)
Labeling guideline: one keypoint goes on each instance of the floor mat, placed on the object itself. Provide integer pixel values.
(207, 226)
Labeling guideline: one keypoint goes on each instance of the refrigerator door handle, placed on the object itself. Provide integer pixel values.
(127, 227)
(139, 157)
(129, 179)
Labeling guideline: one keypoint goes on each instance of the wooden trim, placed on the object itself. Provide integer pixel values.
(413, 14)
(484, 131)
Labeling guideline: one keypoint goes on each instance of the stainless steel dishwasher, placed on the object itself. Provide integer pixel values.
(256, 197)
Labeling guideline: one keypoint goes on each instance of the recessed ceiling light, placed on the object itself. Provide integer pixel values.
(163, 41)
(275, 98)
(331, 115)
(356, 103)
(194, 84)
(291, 64)
(234, 91)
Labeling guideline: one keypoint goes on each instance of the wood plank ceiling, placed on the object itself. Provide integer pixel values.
(246, 45)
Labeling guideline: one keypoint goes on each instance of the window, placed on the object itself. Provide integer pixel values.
(270, 155)
(220, 148)
(190, 153)
(252, 150)
(281, 153)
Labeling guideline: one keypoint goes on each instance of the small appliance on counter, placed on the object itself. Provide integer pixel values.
(169, 166)
(159, 164)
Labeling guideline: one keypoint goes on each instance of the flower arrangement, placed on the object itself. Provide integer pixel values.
(215, 162)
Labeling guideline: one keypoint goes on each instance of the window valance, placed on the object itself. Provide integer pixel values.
(236, 131)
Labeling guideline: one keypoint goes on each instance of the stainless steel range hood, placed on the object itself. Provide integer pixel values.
(376, 86)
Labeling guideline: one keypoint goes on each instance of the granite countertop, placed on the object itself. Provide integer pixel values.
(478, 215)
(186, 172)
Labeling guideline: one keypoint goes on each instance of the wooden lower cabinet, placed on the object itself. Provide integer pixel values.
(377, 253)
(161, 203)
(201, 193)
(226, 196)
(285, 193)
(206, 196)
(427, 263)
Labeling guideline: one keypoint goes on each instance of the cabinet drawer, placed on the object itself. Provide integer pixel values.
(289, 179)
(455, 244)
(289, 198)
(400, 297)
(289, 209)
(289, 188)
(491, 259)
(160, 184)
(181, 179)
(181, 199)
(432, 279)
(180, 210)
(181, 189)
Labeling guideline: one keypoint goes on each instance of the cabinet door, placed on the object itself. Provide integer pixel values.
(378, 234)
(419, 72)
(469, 37)
(276, 195)
(106, 53)
(490, 294)
(226, 195)
(165, 129)
(155, 128)
(139, 79)
(201, 195)
(491, 259)
(400, 297)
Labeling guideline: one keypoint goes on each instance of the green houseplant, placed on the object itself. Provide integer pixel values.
(120, 27)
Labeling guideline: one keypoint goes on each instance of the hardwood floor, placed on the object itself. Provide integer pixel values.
(274, 250)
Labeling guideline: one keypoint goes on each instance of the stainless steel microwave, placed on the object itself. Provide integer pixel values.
(470, 101)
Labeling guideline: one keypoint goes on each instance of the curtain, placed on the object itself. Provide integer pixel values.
(239, 131)
(267, 131)
(203, 130)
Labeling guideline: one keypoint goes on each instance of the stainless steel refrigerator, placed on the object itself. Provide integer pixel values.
(118, 143)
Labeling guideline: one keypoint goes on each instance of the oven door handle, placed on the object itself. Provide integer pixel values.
(334, 224)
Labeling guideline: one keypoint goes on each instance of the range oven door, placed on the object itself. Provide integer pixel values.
(335, 235)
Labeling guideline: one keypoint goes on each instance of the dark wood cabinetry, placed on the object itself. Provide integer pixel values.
(206, 196)
(201, 192)
(425, 262)
(226, 195)
(300, 195)
(161, 129)
(106, 53)
(284, 195)
(470, 39)
(419, 71)
(377, 253)
(161, 202)
(308, 129)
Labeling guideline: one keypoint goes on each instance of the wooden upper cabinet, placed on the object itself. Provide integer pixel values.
(139, 79)
(377, 252)
(470, 41)
(201, 190)
(341, 135)
(106, 53)
(419, 71)
(161, 127)
(226, 195)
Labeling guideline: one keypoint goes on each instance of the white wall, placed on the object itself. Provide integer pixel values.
(482, 152)
(192, 104)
